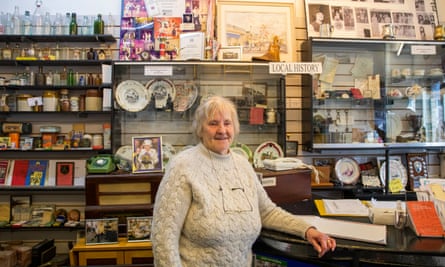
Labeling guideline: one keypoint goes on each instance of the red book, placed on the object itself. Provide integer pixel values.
(64, 173)
(256, 116)
(19, 172)
(423, 219)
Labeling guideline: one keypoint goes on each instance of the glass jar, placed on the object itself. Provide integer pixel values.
(50, 101)
(64, 100)
(22, 102)
(93, 100)
(74, 103)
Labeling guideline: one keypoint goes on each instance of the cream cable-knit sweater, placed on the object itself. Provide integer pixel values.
(211, 212)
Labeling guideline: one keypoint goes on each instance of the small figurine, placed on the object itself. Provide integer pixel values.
(273, 53)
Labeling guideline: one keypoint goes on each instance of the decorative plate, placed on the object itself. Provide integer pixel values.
(168, 151)
(161, 89)
(132, 96)
(267, 150)
(186, 96)
(347, 170)
(396, 170)
(242, 149)
(124, 157)
(393, 125)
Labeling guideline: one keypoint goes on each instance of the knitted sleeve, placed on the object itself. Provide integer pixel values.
(171, 205)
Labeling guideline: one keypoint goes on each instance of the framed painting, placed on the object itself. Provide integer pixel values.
(253, 26)
(139, 228)
(101, 231)
(147, 154)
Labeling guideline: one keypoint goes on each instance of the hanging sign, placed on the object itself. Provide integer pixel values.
(295, 67)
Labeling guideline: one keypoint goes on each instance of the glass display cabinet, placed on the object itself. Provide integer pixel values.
(381, 94)
(159, 99)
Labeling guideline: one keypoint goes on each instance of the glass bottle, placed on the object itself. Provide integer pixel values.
(2, 25)
(109, 28)
(99, 25)
(46, 30)
(40, 77)
(26, 23)
(8, 24)
(16, 51)
(57, 25)
(56, 78)
(64, 77)
(37, 19)
(73, 24)
(66, 23)
(6, 52)
(16, 21)
(86, 26)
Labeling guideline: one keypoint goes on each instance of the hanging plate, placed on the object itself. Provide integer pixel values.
(132, 96)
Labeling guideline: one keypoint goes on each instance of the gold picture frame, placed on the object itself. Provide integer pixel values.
(253, 25)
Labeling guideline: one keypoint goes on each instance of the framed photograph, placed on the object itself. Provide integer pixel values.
(411, 19)
(139, 228)
(101, 231)
(230, 53)
(64, 173)
(147, 154)
(253, 26)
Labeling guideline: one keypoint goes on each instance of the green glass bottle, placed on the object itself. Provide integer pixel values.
(99, 25)
(73, 24)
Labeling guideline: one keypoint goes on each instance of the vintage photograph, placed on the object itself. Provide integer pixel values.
(101, 231)
(147, 154)
(230, 53)
(139, 228)
(404, 19)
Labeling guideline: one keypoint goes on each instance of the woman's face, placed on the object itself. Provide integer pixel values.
(218, 132)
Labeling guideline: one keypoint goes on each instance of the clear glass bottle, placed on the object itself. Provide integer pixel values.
(109, 27)
(64, 77)
(73, 24)
(27, 23)
(37, 19)
(8, 24)
(57, 25)
(56, 78)
(86, 26)
(66, 23)
(2, 22)
(16, 21)
(47, 24)
(99, 25)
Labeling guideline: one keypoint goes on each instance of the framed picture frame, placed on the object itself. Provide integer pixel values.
(147, 154)
(139, 228)
(230, 53)
(101, 231)
(243, 24)
(64, 173)
(357, 19)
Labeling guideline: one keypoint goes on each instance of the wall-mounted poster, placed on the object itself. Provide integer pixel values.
(374, 19)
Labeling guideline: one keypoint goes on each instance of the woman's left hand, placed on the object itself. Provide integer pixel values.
(321, 242)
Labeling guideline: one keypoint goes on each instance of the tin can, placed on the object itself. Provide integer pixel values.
(22, 102)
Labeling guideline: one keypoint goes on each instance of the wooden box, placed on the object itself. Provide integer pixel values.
(288, 186)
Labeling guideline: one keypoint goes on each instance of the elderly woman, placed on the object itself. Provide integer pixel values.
(210, 206)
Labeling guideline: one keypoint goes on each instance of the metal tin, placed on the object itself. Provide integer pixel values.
(22, 102)
(50, 101)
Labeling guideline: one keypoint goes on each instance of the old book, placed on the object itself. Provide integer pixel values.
(423, 219)
(64, 173)
(19, 171)
(36, 174)
(4, 169)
